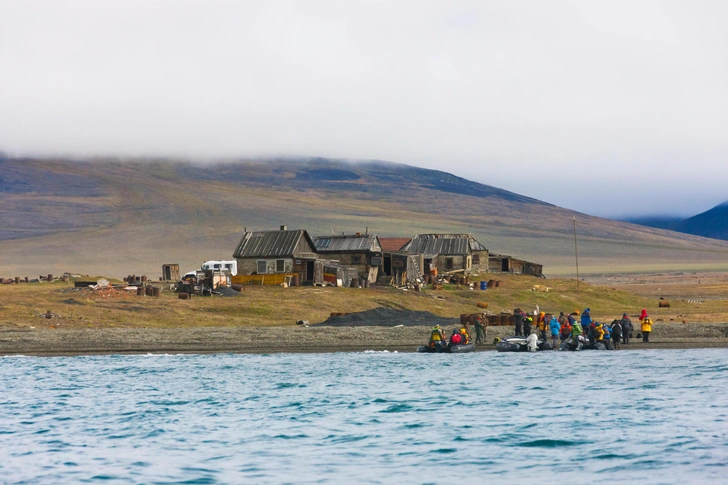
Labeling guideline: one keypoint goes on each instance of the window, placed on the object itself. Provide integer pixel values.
(356, 259)
(262, 267)
(280, 266)
(476, 258)
(228, 266)
(448, 263)
(216, 266)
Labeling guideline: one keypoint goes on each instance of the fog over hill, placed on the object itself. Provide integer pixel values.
(712, 223)
(117, 217)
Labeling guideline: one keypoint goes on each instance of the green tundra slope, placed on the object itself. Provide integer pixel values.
(118, 217)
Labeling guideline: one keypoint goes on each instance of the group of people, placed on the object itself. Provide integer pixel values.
(460, 336)
(565, 326)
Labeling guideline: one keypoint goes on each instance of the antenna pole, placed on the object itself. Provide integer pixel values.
(576, 254)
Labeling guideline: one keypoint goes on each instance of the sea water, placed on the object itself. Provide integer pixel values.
(653, 416)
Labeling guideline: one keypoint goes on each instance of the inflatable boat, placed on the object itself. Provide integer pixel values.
(523, 344)
(581, 343)
(455, 349)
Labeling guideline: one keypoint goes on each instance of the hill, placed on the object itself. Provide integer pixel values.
(117, 217)
(712, 223)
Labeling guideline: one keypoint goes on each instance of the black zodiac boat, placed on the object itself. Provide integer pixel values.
(523, 344)
(455, 349)
(581, 343)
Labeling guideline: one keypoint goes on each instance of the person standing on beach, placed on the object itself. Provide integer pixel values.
(627, 328)
(616, 334)
(542, 325)
(518, 314)
(646, 326)
(555, 330)
(527, 321)
(607, 335)
(479, 330)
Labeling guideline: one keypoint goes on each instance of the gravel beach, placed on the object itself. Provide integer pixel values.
(15, 340)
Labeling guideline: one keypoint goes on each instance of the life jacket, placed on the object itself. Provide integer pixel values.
(456, 339)
(436, 335)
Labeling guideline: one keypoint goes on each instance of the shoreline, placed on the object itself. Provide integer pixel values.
(269, 340)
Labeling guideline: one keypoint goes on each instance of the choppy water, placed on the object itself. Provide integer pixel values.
(551, 417)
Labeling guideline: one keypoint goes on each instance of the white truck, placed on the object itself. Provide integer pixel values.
(230, 266)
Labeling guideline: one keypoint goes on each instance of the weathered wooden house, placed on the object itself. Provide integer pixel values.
(273, 252)
(361, 251)
(392, 258)
(500, 263)
(449, 252)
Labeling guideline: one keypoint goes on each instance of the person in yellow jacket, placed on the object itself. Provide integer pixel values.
(542, 324)
(646, 326)
(599, 332)
(437, 338)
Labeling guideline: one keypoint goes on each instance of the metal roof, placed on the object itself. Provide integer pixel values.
(263, 244)
(354, 242)
(445, 244)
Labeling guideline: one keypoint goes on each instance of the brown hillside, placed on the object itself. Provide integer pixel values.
(115, 218)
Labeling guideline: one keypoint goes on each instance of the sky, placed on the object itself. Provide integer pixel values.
(612, 108)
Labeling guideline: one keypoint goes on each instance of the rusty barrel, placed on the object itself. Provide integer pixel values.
(296, 280)
(50, 277)
(17, 280)
(498, 283)
(140, 291)
(184, 296)
(237, 287)
(664, 304)
(482, 304)
(144, 278)
(149, 291)
(491, 283)
(27, 279)
(156, 291)
(354, 282)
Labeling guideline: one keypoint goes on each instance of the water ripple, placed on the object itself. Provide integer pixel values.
(366, 418)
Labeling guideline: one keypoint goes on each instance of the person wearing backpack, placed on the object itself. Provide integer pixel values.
(646, 326)
(616, 334)
(555, 327)
(527, 321)
(627, 328)
(607, 335)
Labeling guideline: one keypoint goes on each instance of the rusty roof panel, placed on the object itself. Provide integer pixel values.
(393, 244)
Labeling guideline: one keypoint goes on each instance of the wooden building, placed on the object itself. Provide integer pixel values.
(500, 263)
(277, 252)
(360, 251)
(449, 252)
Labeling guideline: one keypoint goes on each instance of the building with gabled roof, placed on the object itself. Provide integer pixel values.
(282, 251)
(362, 251)
(449, 252)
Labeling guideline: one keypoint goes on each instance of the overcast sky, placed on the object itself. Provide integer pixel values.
(606, 107)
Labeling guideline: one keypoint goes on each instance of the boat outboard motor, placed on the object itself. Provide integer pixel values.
(532, 342)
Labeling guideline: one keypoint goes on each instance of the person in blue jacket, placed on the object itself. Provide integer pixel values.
(555, 327)
(586, 319)
(607, 336)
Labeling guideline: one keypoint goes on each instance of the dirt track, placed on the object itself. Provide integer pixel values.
(45, 341)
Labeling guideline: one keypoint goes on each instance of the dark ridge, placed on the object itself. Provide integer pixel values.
(712, 223)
